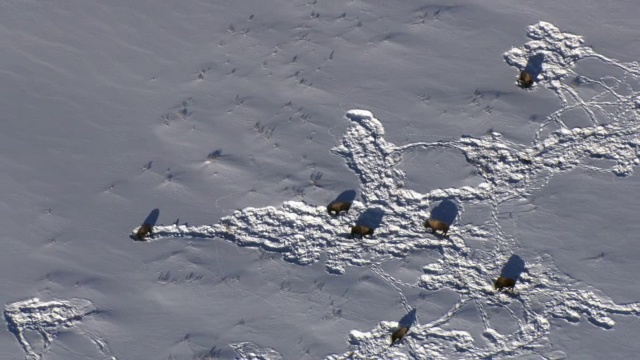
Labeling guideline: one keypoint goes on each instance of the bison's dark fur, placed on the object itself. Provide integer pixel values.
(361, 230)
(337, 206)
(525, 80)
(398, 334)
(435, 225)
(143, 231)
(504, 282)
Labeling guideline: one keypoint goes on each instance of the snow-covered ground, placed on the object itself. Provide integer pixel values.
(231, 125)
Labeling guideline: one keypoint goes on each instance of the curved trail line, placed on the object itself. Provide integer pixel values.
(512, 171)
(47, 319)
(302, 232)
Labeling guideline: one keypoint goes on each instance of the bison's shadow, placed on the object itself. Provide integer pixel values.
(151, 219)
(345, 196)
(371, 217)
(513, 268)
(534, 65)
(446, 211)
(409, 319)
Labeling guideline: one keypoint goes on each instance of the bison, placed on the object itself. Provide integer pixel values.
(504, 282)
(336, 207)
(398, 334)
(435, 225)
(143, 231)
(361, 230)
(525, 80)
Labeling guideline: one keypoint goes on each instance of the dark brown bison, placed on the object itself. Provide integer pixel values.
(143, 231)
(504, 282)
(398, 334)
(361, 230)
(436, 225)
(525, 80)
(337, 206)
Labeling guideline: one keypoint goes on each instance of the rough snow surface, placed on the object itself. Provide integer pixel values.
(47, 319)
(302, 232)
(251, 351)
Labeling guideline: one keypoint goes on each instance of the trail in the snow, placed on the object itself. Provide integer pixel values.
(47, 319)
(303, 232)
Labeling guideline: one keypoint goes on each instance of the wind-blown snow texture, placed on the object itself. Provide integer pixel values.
(47, 319)
(302, 232)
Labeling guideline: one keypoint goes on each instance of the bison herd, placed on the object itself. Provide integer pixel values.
(336, 207)
(525, 81)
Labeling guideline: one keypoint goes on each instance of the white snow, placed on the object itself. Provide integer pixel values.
(232, 126)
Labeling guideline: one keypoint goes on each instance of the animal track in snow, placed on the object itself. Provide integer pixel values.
(47, 319)
(301, 232)
(251, 351)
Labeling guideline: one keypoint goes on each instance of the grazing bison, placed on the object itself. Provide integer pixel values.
(525, 80)
(504, 282)
(361, 230)
(143, 231)
(337, 206)
(398, 334)
(435, 225)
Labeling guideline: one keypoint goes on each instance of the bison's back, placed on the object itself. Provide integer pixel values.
(436, 225)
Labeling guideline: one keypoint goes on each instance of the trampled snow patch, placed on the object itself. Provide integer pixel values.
(47, 319)
(302, 232)
(251, 351)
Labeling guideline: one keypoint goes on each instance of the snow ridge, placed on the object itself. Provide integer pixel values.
(302, 232)
(251, 351)
(47, 319)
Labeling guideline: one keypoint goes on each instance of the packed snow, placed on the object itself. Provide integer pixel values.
(275, 276)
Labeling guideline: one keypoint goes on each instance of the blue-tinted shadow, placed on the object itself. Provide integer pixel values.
(371, 217)
(446, 211)
(348, 196)
(534, 65)
(513, 268)
(409, 319)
